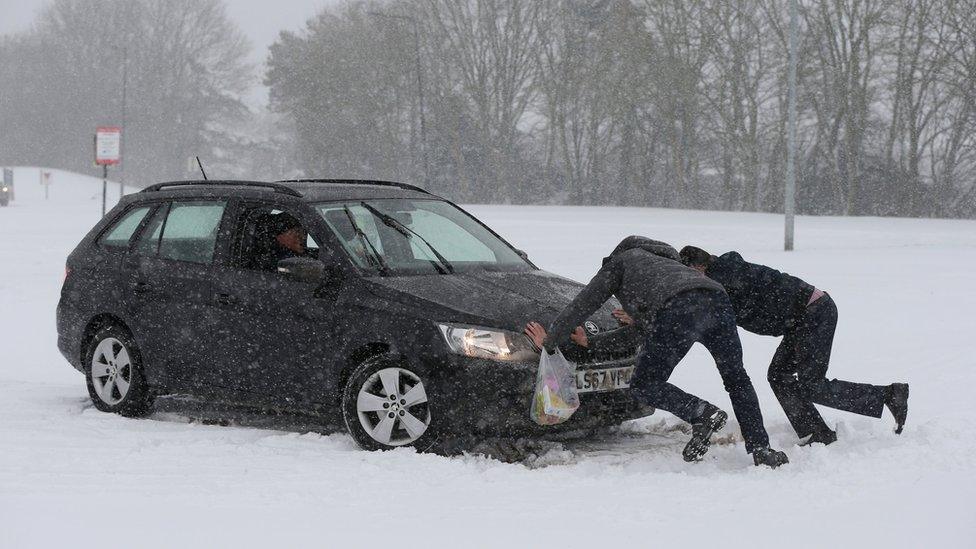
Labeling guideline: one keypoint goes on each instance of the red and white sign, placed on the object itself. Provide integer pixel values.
(108, 144)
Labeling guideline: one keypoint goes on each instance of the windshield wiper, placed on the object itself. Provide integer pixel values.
(374, 259)
(409, 233)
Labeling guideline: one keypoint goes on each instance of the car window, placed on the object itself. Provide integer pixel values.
(120, 233)
(190, 231)
(257, 246)
(408, 236)
(337, 219)
(454, 243)
(311, 244)
(148, 242)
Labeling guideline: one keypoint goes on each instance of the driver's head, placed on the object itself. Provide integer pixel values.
(288, 232)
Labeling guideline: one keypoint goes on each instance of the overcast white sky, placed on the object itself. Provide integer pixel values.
(261, 20)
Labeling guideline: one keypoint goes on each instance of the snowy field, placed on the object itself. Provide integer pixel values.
(71, 476)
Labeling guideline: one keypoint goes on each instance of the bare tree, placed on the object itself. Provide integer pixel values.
(683, 43)
(488, 48)
(186, 71)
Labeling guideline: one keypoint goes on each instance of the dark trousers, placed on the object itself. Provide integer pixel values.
(706, 317)
(798, 373)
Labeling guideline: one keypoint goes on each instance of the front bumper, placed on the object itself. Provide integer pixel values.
(494, 398)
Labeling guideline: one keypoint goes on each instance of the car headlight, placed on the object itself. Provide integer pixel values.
(488, 343)
(5, 189)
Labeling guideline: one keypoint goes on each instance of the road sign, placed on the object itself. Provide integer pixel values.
(108, 140)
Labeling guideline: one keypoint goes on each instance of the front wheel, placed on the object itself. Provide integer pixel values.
(386, 405)
(114, 372)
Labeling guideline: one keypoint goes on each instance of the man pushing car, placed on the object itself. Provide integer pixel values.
(673, 307)
(769, 302)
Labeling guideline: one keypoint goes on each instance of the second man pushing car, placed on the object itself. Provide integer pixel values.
(773, 303)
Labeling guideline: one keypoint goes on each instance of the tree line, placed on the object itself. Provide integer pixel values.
(673, 103)
(183, 66)
(676, 103)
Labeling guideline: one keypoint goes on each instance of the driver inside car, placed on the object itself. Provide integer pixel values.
(287, 240)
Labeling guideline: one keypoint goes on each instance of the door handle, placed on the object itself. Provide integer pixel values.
(225, 299)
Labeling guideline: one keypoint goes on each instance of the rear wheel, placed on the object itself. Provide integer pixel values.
(113, 369)
(385, 405)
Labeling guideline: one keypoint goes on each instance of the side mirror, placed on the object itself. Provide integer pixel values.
(302, 269)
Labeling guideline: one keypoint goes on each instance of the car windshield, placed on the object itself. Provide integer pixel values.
(401, 237)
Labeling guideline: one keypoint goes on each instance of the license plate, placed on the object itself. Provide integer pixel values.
(610, 379)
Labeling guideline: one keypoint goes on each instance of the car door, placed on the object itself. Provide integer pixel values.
(104, 292)
(273, 333)
(168, 288)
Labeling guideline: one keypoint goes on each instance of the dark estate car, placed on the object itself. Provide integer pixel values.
(404, 313)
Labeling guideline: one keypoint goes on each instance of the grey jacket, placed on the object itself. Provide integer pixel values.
(644, 274)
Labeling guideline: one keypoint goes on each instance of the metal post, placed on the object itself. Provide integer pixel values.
(125, 85)
(420, 96)
(104, 186)
(790, 192)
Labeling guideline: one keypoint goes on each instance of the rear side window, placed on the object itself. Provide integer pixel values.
(119, 235)
(190, 231)
(148, 242)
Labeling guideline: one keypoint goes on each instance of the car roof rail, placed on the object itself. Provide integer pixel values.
(376, 182)
(276, 187)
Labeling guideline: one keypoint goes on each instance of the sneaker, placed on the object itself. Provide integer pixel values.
(769, 457)
(896, 399)
(702, 429)
(820, 437)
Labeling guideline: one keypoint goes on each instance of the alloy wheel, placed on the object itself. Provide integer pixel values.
(392, 407)
(111, 371)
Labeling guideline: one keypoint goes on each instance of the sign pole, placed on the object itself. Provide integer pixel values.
(104, 186)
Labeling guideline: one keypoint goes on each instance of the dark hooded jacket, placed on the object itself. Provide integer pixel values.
(643, 274)
(766, 301)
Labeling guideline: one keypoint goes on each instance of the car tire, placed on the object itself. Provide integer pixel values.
(385, 405)
(114, 374)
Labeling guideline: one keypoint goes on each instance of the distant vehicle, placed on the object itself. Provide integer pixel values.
(405, 313)
(4, 195)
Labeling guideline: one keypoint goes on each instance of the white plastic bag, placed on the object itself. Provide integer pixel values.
(555, 397)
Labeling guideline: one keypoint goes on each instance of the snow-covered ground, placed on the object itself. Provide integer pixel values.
(72, 476)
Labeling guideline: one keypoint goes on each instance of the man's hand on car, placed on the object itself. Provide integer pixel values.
(622, 317)
(537, 333)
(579, 337)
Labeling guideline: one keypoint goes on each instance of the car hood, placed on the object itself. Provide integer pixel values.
(503, 300)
